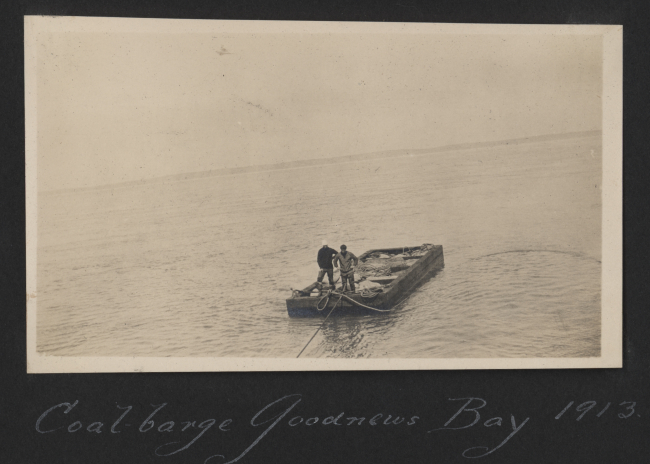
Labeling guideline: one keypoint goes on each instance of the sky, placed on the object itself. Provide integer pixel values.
(116, 107)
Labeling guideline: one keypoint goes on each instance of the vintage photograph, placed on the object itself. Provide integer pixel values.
(243, 195)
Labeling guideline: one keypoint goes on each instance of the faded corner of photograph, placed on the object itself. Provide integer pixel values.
(321, 195)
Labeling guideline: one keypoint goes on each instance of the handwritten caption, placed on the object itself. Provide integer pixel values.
(283, 413)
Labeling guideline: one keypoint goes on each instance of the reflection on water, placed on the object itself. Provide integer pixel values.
(202, 268)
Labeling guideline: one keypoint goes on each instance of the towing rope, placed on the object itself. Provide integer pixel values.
(327, 299)
(354, 302)
(321, 326)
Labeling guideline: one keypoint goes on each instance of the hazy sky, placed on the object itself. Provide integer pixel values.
(118, 107)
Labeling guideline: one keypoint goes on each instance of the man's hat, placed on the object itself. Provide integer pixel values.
(343, 247)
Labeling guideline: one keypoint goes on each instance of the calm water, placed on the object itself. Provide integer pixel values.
(202, 267)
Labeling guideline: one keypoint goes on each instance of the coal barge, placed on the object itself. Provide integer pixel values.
(385, 277)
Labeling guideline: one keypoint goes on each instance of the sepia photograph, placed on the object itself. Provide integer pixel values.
(250, 196)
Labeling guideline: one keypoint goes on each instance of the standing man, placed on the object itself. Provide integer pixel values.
(348, 261)
(325, 256)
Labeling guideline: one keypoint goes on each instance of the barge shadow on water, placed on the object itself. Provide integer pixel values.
(385, 276)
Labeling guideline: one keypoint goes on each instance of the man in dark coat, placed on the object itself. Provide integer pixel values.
(325, 256)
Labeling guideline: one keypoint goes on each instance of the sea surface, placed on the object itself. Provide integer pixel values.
(202, 267)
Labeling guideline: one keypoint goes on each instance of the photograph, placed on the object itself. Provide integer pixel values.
(212, 195)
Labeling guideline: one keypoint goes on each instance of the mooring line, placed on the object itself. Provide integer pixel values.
(321, 326)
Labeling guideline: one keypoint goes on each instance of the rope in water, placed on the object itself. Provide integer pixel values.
(321, 326)
(327, 299)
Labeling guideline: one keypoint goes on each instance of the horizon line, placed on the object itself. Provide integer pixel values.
(325, 161)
